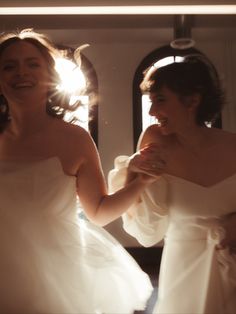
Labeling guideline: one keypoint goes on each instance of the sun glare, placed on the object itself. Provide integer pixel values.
(72, 78)
(73, 82)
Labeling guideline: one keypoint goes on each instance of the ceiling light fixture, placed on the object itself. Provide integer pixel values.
(182, 32)
(119, 10)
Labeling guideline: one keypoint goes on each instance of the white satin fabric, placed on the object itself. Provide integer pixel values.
(195, 277)
(51, 261)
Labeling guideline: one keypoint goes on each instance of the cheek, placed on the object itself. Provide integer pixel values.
(45, 79)
(5, 80)
(3, 86)
(50, 80)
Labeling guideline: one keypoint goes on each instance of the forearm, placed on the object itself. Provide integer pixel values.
(114, 205)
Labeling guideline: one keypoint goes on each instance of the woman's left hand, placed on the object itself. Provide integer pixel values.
(149, 160)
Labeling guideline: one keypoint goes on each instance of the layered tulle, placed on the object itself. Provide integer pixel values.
(54, 262)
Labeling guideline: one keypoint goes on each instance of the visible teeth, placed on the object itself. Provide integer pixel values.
(23, 84)
(161, 121)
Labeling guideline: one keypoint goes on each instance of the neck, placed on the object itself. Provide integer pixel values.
(198, 138)
(27, 122)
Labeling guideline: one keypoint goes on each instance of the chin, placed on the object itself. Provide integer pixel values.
(165, 131)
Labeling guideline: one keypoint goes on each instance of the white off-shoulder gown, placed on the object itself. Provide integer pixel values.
(195, 277)
(51, 261)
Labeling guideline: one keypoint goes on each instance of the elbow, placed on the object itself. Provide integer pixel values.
(97, 220)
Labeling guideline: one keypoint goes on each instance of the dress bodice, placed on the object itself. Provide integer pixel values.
(42, 184)
(190, 199)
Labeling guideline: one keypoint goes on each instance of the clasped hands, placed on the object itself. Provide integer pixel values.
(148, 163)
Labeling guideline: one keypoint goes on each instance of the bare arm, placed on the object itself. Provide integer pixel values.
(100, 207)
(147, 162)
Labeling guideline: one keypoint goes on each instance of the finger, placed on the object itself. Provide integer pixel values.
(151, 166)
(154, 146)
(148, 171)
(153, 172)
(155, 165)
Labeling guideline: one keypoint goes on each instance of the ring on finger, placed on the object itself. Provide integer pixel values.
(157, 165)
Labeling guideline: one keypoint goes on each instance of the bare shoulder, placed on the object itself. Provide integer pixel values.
(76, 139)
(71, 133)
(152, 135)
(74, 146)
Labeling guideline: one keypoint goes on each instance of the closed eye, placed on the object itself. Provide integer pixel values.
(8, 66)
(157, 99)
(160, 98)
(34, 64)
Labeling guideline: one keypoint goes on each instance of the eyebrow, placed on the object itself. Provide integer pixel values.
(157, 92)
(27, 59)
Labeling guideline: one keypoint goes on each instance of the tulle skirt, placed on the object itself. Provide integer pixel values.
(67, 267)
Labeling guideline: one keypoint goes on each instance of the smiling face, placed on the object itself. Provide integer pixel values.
(24, 75)
(173, 114)
(195, 77)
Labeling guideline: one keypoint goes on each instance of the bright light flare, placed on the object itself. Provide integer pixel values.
(73, 82)
(81, 113)
(72, 78)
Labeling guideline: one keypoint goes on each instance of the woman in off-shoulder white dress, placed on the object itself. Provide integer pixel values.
(194, 195)
(52, 261)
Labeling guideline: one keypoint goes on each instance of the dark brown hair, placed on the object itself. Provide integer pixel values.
(195, 74)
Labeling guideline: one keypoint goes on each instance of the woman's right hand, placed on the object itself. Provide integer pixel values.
(146, 163)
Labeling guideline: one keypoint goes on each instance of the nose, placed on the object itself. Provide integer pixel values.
(21, 69)
(153, 110)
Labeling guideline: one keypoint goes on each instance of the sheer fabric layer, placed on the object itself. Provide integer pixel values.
(52, 262)
(195, 277)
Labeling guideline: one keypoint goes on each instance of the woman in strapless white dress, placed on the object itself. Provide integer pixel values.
(192, 204)
(51, 260)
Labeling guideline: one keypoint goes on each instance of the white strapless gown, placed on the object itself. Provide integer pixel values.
(195, 277)
(51, 261)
